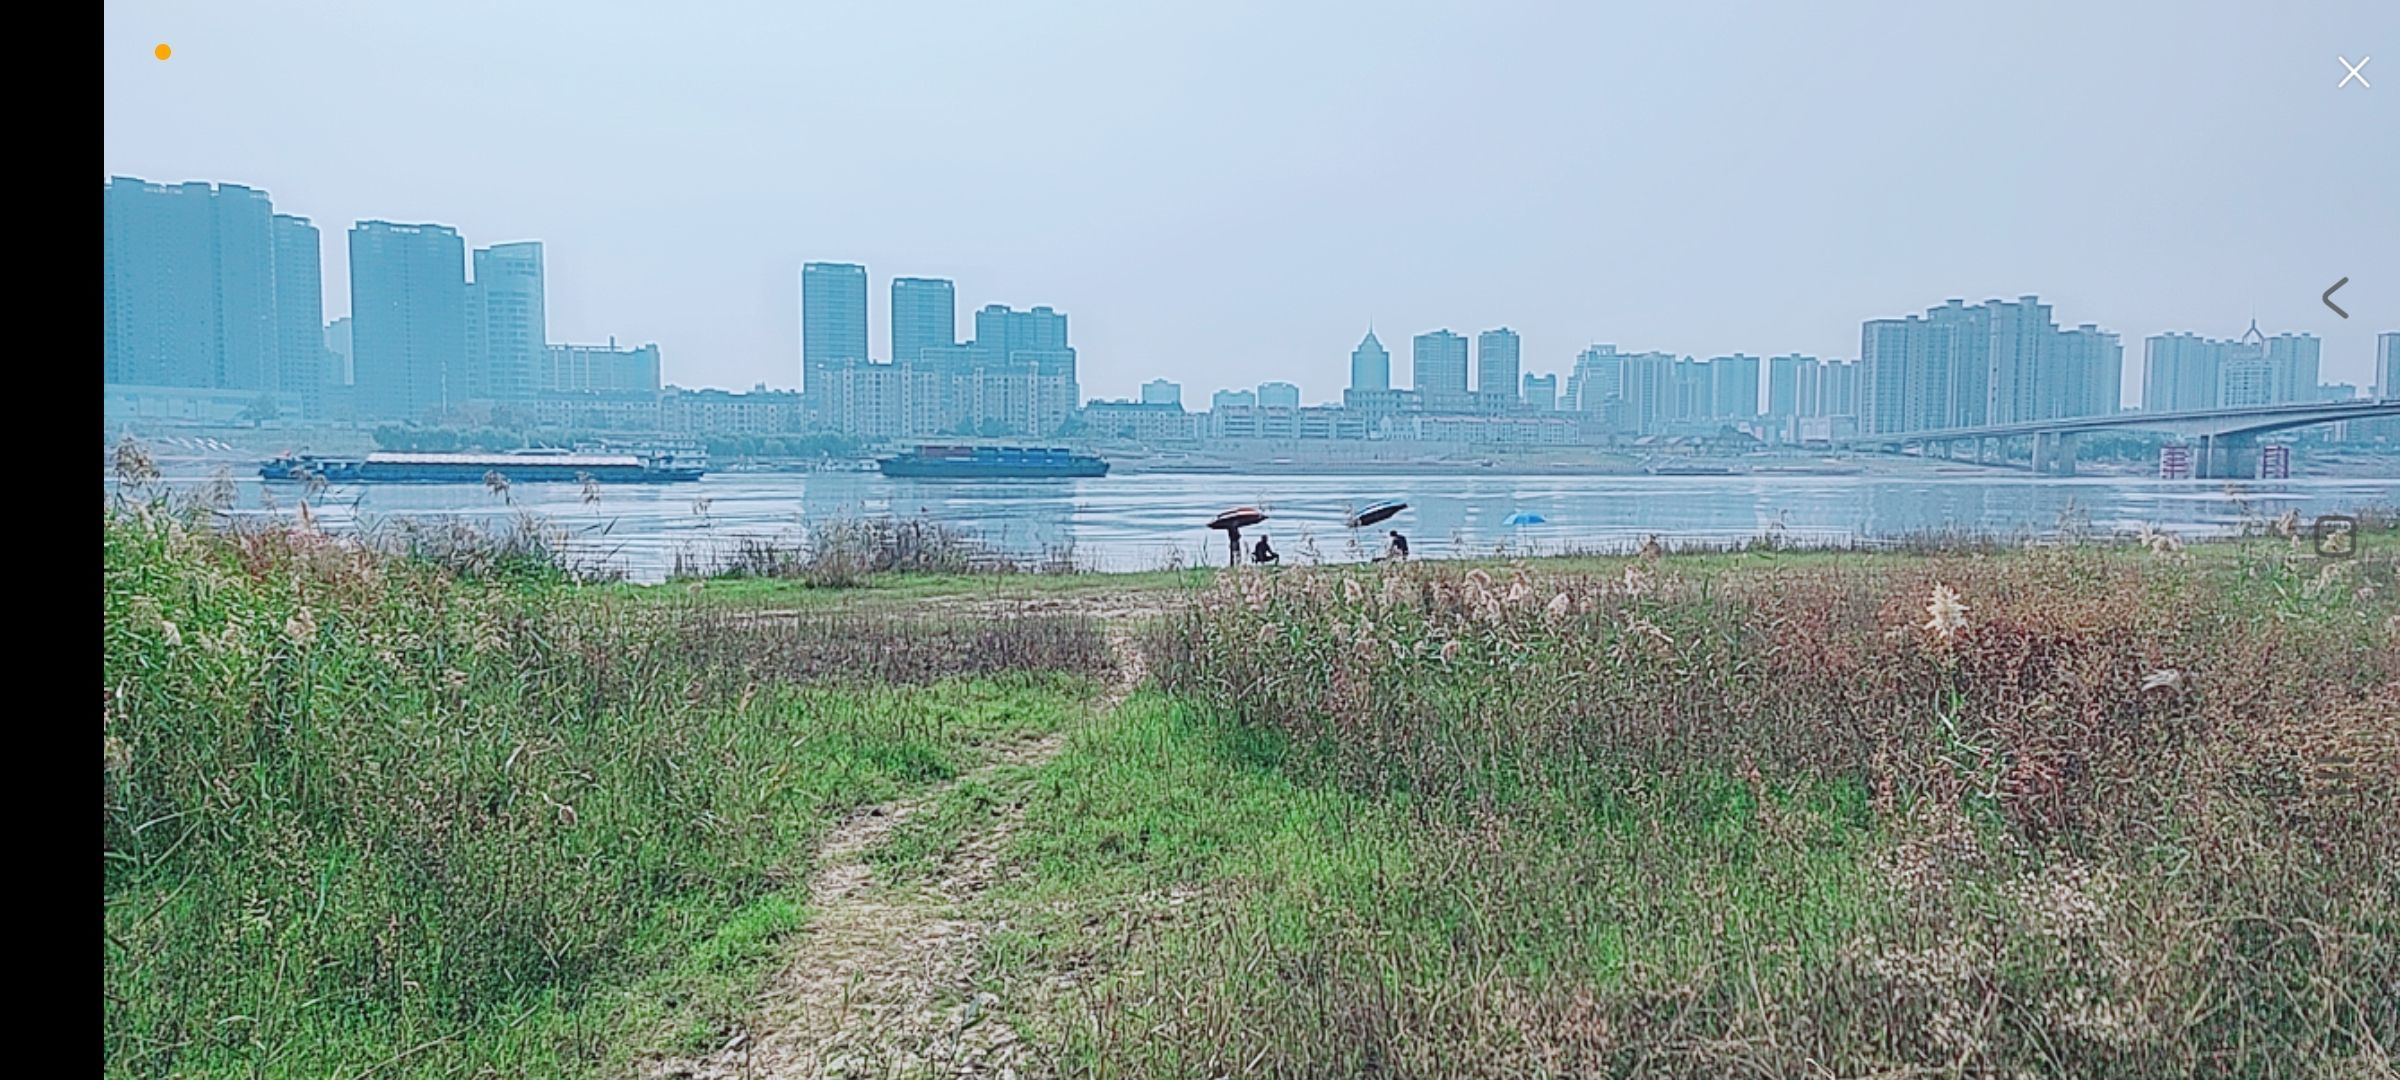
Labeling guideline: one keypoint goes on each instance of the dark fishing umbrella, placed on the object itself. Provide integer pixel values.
(1240, 517)
(1525, 517)
(1376, 512)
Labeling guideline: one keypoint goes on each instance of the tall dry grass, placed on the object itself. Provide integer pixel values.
(2073, 811)
(365, 807)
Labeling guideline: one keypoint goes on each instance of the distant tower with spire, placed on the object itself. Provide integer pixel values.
(1370, 364)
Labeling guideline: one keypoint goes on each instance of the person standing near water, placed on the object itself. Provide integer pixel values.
(1233, 543)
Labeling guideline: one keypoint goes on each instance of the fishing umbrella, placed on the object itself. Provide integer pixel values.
(1376, 512)
(1525, 517)
(1240, 517)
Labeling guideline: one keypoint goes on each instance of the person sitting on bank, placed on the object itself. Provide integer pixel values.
(1398, 548)
(1262, 554)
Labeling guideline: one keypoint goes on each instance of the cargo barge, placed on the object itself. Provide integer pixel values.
(992, 463)
(515, 466)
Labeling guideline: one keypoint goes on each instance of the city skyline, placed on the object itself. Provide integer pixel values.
(921, 314)
(1956, 365)
(1759, 202)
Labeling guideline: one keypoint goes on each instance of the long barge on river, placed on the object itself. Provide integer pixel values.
(992, 463)
(514, 466)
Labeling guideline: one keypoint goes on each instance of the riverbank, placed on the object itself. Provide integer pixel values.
(1933, 810)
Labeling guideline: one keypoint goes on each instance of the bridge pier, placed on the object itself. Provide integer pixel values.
(2054, 453)
(2236, 457)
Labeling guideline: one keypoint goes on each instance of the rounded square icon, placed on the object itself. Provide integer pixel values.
(2336, 535)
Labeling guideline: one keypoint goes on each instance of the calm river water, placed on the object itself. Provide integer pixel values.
(1150, 520)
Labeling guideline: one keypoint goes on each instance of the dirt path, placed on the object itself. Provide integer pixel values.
(882, 982)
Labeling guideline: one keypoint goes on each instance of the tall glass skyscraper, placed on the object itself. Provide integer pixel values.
(300, 355)
(1496, 367)
(509, 346)
(408, 312)
(1438, 364)
(1370, 365)
(924, 315)
(833, 323)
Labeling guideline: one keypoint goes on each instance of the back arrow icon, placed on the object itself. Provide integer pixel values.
(2328, 298)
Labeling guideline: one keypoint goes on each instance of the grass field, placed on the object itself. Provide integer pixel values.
(2068, 812)
(364, 814)
(2096, 810)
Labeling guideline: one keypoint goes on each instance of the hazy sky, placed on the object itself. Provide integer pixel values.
(1231, 192)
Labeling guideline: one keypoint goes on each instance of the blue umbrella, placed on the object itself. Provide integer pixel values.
(1525, 517)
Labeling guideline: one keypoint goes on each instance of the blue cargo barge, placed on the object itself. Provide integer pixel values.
(992, 463)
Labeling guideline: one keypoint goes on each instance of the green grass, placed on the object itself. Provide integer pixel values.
(1736, 813)
(1719, 813)
(1187, 838)
(364, 814)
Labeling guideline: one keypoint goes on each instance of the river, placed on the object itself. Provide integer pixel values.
(1152, 520)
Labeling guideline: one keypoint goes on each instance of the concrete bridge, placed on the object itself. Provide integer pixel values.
(2225, 441)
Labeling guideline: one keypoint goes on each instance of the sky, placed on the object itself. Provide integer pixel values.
(1228, 193)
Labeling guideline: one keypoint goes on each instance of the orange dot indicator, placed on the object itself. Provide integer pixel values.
(163, 51)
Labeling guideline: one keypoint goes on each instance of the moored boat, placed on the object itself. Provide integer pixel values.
(992, 463)
(515, 466)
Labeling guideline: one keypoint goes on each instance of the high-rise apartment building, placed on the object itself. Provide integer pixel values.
(1597, 378)
(1791, 386)
(300, 355)
(1273, 395)
(1162, 392)
(190, 286)
(1233, 399)
(1017, 376)
(2182, 371)
(2295, 360)
(1541, 392)
(2387, 365)
(1837, 389)
(600, 369)
(408, 310)
(508, 335)
(1015, 340)
(833, 325)
(1438, 366)
(1695, 391)
(1370, 365)
(1032, 345)
(1998, 362)
(924, 316)
(337, 344)
(2245, 377)
(1654, 389)
(1497, 368)
(1733, 382)
(2089, 367)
